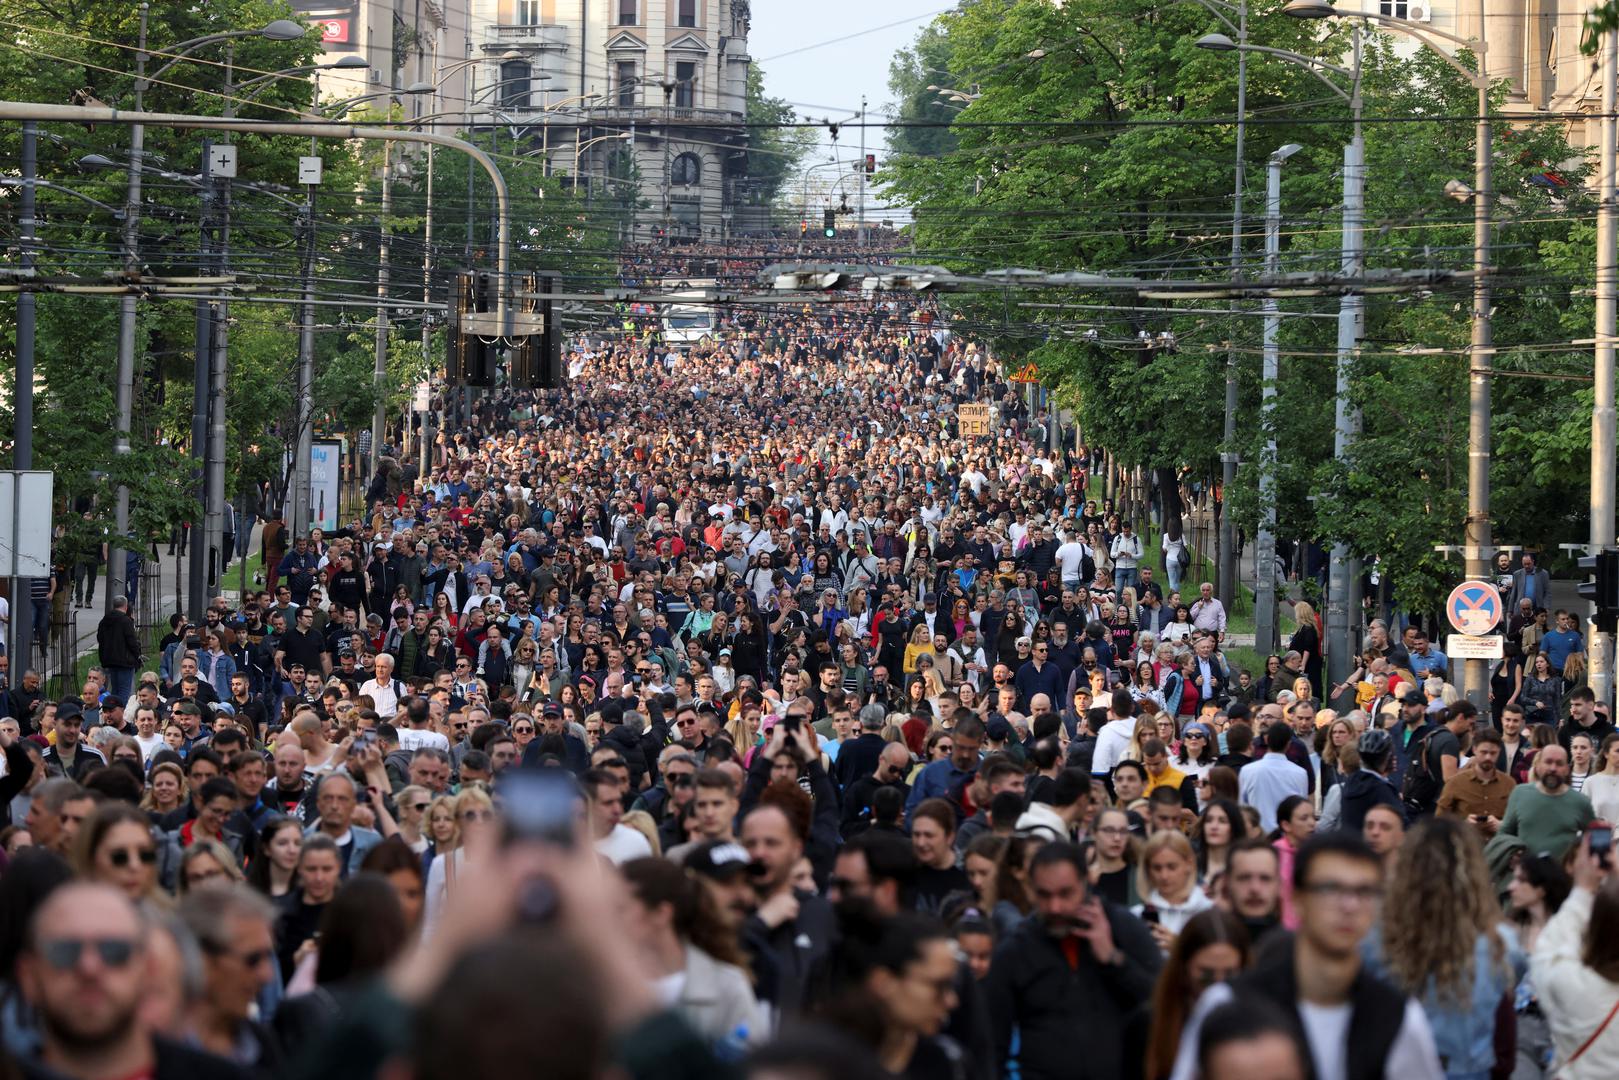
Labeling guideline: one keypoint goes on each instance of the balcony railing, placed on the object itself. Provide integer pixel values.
(545, 36)
(654, 114)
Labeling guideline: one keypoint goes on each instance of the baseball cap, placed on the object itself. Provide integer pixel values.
(1414, 697)
(998, 729)
(68, 707)
(720, 859)
(551, 708)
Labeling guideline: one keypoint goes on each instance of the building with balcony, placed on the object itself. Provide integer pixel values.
(657, 84)
(402, 41)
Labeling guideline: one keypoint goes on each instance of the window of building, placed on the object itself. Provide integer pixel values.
(686, 171)
(629, 13)
(685, 77)
(1394, 9)
(624, 77)
(528, 12)
(688, 13)
(514, 84)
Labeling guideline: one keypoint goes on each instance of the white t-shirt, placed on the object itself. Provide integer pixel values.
(623, 844)
(149, 744)
(413, 740)
(1326, 1027)
(1071, 557)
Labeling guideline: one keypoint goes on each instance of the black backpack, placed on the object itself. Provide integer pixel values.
(1422, 780)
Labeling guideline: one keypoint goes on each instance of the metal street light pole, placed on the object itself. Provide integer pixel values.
(22, 453)
(1344, 573)
(1607, 314)
(1478, 548)
(379, 373)
(1228, 456)
(1265, 544)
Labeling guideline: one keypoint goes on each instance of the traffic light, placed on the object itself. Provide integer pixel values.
(871, 164)
(470, 360)
(829, 224)
(803, 227)
(1603, 588)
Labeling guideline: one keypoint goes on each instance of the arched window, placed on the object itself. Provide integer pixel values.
(514, 84)
(687, 171)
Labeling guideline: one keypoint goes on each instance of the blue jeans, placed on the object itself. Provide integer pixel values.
(1125, 579)
(120, 682)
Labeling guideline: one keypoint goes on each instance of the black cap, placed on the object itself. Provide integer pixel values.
(1414, 697)
(68, 707)
(999, 729)
(723, 859)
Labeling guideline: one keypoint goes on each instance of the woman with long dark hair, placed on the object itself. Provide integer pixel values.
(1212, 947)
(1219, 828)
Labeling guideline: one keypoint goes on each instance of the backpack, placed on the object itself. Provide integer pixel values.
(1422, 785)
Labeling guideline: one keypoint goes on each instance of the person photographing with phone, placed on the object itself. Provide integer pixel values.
(1575, 966)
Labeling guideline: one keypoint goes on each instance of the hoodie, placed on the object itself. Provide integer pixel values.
(1111, 744)
(1362, 791)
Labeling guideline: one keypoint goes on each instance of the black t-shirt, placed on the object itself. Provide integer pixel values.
(304, 648)
(1115, 885)
(933, 885)
(298, 924)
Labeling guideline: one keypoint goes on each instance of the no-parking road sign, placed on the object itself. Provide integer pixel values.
(1474, 607)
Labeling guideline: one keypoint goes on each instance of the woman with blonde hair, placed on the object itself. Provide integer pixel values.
(921, 643)
(474, 813)
(1306, 641)
(1450, 948)
(1167, 882)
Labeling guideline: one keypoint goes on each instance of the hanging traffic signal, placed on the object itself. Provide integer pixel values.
(1603, 588)
(871, 164)
(803, 227)
(829, 224)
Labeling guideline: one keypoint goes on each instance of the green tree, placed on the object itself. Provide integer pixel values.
(775, 150)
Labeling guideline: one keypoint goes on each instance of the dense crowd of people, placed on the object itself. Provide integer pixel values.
(726, 712)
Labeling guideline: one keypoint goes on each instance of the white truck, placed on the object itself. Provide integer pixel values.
(687, 324)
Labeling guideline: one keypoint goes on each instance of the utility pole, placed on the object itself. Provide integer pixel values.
(22, 453)
(201, 372)
(298, 518)
(1265, 545)
(117, 560)
(1343, 586)
(426, 439)
(379, 373)
(1607, 314)
(1481, 363)
(860, 229)
(1228, 456)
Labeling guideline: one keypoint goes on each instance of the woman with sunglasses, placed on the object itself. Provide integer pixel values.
(115, 847)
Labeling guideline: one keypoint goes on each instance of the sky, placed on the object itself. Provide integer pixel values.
(821, 55)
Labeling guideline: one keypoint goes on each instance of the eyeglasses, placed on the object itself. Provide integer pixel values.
(1339, 892)
(1113, 830)
(122, 857)
(524, 730)
(64, 954)
(419, 807)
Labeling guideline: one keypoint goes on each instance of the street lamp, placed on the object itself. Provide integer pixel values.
(579, 148)
(124, 393)
(1265, 544)
(1481, 349)
(1344, 571)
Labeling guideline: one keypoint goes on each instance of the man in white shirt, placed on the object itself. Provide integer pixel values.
(384, 689)
(1126, 553)
(1114, 738)
(617, 842)
(1266, 782)
(414, 731)
(1207, 612)
(1319, 976)
(1071, 557)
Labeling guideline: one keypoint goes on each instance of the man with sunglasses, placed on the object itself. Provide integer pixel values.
(85, 970)
(234, 926)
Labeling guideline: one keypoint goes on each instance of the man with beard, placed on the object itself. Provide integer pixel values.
(1548, 815)
(726, 871)
(799, 926)
(1254, 886)
(85, 971)
(1082, 963)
